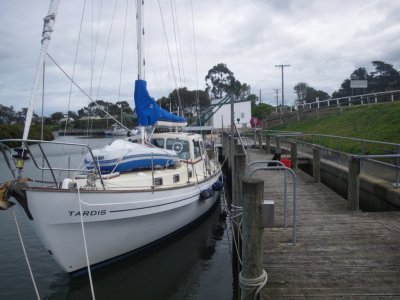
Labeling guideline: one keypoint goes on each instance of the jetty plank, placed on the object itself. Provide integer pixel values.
(339, 253)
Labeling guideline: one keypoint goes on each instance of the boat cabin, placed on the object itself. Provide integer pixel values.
(188, 146)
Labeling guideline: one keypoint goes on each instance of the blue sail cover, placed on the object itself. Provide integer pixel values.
(147, 109)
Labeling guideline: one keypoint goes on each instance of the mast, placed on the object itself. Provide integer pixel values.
(140, 50)
(48, 23)
(140, 38)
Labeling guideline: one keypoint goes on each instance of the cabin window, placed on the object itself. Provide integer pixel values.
(180, 147)
(176, 178)
(196, 149)
(158, 181)
(158, 143)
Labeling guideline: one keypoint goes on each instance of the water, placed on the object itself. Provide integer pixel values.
(194, 265)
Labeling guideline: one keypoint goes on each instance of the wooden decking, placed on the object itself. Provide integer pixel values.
(339, 253)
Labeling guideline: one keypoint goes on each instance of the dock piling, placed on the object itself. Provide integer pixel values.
(252, 275)
(353, 190)
(316, 164)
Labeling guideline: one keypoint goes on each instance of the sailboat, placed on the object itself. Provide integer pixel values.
(122, 198)
(116, 130)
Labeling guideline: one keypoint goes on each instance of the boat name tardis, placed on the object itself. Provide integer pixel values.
(73, 213)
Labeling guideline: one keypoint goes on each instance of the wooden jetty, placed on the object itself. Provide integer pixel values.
(83, 132)
(340, 253)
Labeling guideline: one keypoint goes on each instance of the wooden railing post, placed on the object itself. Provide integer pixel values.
(317, 164)
(278, 145)
(252, 231)
(353, 190)
(268, 144)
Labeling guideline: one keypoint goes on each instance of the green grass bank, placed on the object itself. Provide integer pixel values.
(378, 122)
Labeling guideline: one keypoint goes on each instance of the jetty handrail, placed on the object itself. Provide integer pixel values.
(27, 144)
(364, 157)
(249, 173)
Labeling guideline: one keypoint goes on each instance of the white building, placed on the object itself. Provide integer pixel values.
(222, 116)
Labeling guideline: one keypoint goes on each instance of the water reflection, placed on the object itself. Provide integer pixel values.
(175, 269)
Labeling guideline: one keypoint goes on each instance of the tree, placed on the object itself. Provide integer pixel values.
(56, 117)
(164, 103)
(7, 114)
(219, 81)
(73, 115)
(253, 98)
(301, 91)
(261, 111)
(188, 98)
(241, 91)
(204, 99)
(308, 94)
(385, 77)
(359, 74)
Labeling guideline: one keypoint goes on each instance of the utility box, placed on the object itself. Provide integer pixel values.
(268, 213)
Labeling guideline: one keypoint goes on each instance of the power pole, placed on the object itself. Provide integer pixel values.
(260, 96)
(277, 100)
(283, 91)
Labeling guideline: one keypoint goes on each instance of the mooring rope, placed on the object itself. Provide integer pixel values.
(26, 256)
(252, 283)
(85, 244)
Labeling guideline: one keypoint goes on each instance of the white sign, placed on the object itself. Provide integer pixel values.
(358, 84)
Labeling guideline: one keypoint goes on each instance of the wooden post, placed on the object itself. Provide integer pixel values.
(240, 166)
(293, 154)
(317, 164)
(353, 190)
(239, 149)
(228, 152)
(278, 145)
(225, 145)
(268, 144)
(260, 141)
(252, 231)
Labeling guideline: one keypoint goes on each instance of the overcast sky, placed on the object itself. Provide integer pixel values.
(324, 41)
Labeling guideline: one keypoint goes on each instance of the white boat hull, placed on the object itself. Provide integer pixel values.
(115, 222)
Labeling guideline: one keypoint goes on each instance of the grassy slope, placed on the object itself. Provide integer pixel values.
(380, 122)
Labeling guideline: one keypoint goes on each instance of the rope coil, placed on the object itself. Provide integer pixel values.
(252, 283)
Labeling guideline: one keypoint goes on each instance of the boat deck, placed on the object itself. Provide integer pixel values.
(339, 253)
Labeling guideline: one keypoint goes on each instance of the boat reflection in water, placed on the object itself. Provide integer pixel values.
(196, 264)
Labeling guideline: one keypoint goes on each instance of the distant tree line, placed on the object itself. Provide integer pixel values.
(8, 115)
(220, 82)
(384, 78)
